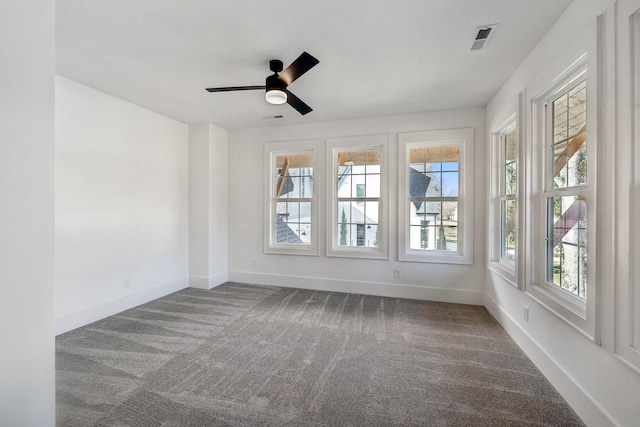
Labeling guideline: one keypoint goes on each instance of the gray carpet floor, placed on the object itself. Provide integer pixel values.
(244, 355)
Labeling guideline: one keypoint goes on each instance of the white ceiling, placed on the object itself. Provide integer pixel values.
(377, 57)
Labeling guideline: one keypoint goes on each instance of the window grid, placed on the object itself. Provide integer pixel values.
(358, 197)
(433, 184)
(566, 195)
(507, 196)
(292, 199)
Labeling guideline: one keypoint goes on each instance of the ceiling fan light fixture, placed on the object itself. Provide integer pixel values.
(276, 96)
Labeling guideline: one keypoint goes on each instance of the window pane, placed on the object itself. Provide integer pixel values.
(448, 239)
(507, 230)
(510, 178)
(567, 243)
(344, 184)
(371, 212)
(508, 246)
(451, 158)
(450, 184)
(417, 157)
(433, 158)
(509, 142)
(373, 185)
(577, 167)
(570, 141)
(343, 234)
(426, 211)
(577, 110)
(344, 212)
(449, 226)
(372, 161)
(423, 235)
(358, 178)
(434, 184)
(508, 213)
(357, 185)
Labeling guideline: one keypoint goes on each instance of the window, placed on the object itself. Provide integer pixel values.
(436, 211)
(358, 185)
(563, 204)
(566, 194)
(506, 236)
(508, 185)
(434, 178)
(291, 199)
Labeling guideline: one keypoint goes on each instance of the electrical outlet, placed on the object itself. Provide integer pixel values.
(525, 313)
(254, 263)
(126, 282)
(396, 273)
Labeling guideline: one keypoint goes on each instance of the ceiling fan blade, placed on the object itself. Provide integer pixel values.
(233, 88)
(301, 65)
(297, 103)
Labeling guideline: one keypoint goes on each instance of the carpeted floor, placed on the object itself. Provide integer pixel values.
(242, 355)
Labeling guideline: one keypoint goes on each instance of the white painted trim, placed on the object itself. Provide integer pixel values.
(514, 274)
(76, 319)
(464, 138)
(356, 143)
(208, 282)
(578, 398)
(457, 296)
(580, 60)
(286, 148)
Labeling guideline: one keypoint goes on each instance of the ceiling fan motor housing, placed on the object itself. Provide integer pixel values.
(275, 65)
(273, 82)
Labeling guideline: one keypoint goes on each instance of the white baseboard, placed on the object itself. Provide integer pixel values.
(581, 402)
(368, 288)
(70, 321)
(208, 282)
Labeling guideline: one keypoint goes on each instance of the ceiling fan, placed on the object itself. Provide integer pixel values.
(276, 84)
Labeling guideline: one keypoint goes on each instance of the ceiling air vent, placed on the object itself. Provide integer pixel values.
(483, 35)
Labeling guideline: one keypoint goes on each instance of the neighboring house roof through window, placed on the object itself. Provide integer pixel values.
(418, 185)
(284, 233)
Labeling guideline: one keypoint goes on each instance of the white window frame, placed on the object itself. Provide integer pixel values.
(627, 311)
(334, 146)
(579, 61)
(464, 139)
(513, 115)
(272, 151)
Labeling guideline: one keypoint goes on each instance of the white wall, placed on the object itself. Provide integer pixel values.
(440, 282)
(121, 211)
(26, 213)
(598, 385)
(208, 199)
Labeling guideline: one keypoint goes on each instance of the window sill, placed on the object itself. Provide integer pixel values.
(567, 307)
(504, 270)
(357, 253)
(435, 257)
(304, 251)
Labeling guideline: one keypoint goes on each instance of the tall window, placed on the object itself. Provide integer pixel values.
(566, 191)
(564, 152)
(358, 191)
(291, 201)
(506, 211)
(434, 179)
(436, 210)
(507, 192)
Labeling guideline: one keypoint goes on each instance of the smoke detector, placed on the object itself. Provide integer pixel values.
(483, 35)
